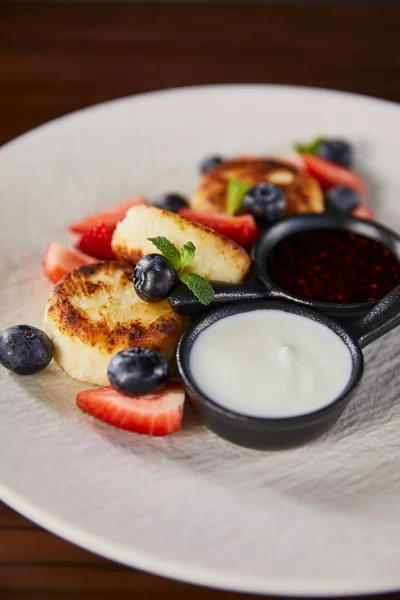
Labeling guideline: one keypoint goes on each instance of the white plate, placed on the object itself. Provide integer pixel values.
(323, 519)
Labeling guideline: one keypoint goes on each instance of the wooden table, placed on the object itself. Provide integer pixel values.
(58, 58)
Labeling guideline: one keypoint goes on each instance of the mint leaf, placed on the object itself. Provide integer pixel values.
(310, 147)
(200, 288)
(180, 259)
(187, 254)
(168, 250)
(234, 195)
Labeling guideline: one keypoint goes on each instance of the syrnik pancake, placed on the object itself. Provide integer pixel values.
(303, 193)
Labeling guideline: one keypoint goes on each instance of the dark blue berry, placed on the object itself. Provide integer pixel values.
(210, 163)
(138, 371)
(171, 202)
(153, 278)
(25, 350)
(342, 199)
(336, 151)
(266, 202)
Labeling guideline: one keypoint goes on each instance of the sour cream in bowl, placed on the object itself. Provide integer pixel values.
(270, 363)
(268, 375)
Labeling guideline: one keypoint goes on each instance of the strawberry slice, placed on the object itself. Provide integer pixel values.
(363, 211)
(241, 229)
(156, 414)
(58, 261)
(109, 216)
(329, 174)
(97, 243)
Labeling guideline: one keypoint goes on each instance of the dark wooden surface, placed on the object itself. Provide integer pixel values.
(56, 58)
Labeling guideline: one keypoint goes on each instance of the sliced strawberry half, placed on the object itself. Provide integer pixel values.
(242, 229)
(109, 216)
(97, 243)
(329, 174)
(58, 261)
(363, 211)
(153, 414)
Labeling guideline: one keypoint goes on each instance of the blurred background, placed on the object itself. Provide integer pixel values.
(57, 57)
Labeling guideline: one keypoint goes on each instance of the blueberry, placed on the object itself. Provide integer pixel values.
(266, 202)
(171, 202)
(25, 350)
(138, 371)
(153, 278)
(342, 199)
(210, 163)
(336, 151)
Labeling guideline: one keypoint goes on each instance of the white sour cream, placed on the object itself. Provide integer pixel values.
(270, 363)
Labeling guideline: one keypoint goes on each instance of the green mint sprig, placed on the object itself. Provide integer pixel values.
(180, 259)
(168, 250)
(187, 255)
(200, 287)
(235, 193)
(309, 147)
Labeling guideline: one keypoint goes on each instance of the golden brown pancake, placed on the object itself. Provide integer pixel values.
(303, 192)
(216, 257)
(95, 312)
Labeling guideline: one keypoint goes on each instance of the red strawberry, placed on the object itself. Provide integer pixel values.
(242, 229)
(152, 414)
(58, 261)
(97, 242)
(363, 211)
(109, 216)
(329, 174)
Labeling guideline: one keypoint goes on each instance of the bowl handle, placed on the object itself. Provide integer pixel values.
(183, 302)
(383, 317)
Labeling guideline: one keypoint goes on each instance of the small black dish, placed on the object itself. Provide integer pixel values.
(283, 433)
(183, 301)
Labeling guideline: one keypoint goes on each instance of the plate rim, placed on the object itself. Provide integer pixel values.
(192, 88)
(181, 572)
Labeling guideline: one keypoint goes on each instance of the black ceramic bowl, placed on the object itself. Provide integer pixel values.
(287, 227)
(282, 433)
(183, 301)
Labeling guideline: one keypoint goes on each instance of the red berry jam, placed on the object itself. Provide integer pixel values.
(333, 266)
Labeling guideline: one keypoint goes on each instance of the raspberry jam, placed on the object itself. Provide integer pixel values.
(333, 266)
